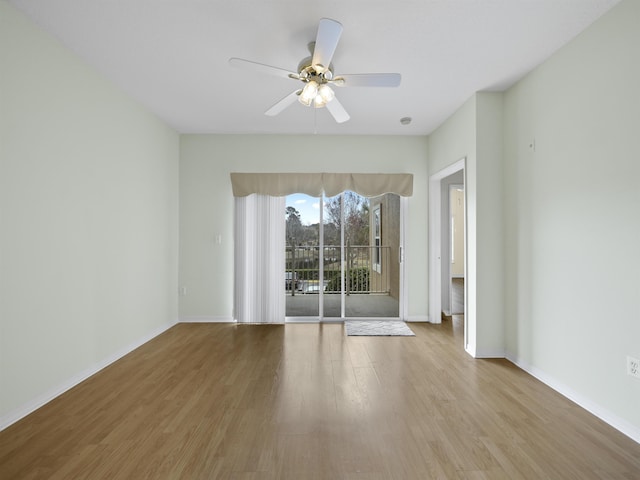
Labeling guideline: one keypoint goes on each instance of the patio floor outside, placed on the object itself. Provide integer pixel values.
(356, 305)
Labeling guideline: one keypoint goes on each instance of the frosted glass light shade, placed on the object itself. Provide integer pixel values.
(309, 92)
(326, 93)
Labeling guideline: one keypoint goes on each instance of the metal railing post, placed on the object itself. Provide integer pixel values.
(347, 278)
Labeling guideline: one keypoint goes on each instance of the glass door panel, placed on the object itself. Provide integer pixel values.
(372, 268)
(302, 259)
(332, 257)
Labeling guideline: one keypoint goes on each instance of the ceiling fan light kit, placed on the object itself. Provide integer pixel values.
(308, 93)
(316, 72)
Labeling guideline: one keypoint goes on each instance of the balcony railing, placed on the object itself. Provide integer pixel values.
(366, 269)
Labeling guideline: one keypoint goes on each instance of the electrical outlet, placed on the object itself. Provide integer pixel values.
(633, 367)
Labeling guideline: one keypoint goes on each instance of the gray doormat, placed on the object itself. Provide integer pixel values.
(378, 328)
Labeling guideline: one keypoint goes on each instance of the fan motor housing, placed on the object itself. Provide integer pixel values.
(308, 72)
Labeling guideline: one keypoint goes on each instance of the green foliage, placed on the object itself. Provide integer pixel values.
(358, 281)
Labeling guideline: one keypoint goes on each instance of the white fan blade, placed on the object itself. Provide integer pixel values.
(337, 111)
(262, 68)
(282, 104)
(329, 32)
(368, 80)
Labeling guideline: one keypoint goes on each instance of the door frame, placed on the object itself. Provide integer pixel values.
(435, 242)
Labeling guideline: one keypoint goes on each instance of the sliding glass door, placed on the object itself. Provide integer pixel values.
(342, 256)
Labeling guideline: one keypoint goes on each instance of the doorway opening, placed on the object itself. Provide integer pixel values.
(448, 288)
(342, 257)
(453, 236)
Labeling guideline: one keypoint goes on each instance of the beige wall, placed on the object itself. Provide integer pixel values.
(88, 196)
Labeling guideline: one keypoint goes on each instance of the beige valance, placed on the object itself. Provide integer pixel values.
(313, 184)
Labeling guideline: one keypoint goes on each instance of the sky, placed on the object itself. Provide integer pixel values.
(309, 207)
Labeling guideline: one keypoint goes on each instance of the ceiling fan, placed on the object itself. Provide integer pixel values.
(317, 75)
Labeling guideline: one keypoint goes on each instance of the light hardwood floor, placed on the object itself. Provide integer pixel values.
(303, 401)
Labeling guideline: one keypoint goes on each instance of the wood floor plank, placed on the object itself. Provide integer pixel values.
(304, 401)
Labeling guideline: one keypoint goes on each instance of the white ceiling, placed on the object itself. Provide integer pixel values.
(172, 55)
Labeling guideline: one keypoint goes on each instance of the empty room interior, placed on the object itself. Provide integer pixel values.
(197, 198)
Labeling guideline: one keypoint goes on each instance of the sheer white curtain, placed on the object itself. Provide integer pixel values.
(259, 259)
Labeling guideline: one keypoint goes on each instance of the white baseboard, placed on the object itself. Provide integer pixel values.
(603, 414)
(207, 319)
(41, 400)
(418, 318)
